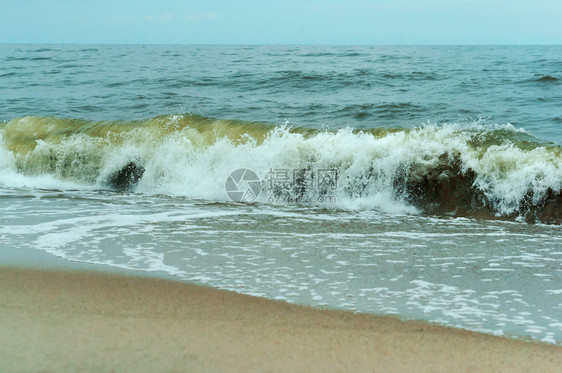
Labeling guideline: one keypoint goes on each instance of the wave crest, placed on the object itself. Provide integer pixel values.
(485, 171)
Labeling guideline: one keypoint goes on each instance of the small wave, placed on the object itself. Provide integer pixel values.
(333, 54)
(116, 84)
(10, 58)
(399, 107)
(414, 75)
(299, 75)
(86, 108)
(73, 66)
(400, 110)
(288, 79)
(546, 79)
(40, 58)
(352, 54)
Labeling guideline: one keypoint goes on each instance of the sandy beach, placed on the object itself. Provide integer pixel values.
(81, 321)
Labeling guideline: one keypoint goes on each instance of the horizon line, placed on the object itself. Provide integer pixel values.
(287, 44)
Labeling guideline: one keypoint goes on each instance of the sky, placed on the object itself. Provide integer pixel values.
(372, 22)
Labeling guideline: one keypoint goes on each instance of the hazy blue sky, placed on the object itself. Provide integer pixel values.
(282, 21)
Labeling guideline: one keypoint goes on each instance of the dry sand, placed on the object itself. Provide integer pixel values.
(76, 321)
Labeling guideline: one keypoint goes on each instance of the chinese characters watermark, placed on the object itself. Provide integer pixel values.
(284, 185)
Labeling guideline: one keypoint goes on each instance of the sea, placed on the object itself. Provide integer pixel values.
(422, 182)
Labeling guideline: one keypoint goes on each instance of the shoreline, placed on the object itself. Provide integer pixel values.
(57, 320)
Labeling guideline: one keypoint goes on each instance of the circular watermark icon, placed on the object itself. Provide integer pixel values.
(243, 185)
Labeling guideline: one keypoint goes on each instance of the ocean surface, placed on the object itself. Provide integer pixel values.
(422, 182)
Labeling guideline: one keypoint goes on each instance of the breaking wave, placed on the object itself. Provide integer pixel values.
(476, 170)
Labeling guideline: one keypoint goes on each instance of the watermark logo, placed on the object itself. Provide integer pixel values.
(243, 185)
(302, 185)
(284, 185)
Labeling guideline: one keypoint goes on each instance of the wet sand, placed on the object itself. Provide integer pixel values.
(81, 321)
